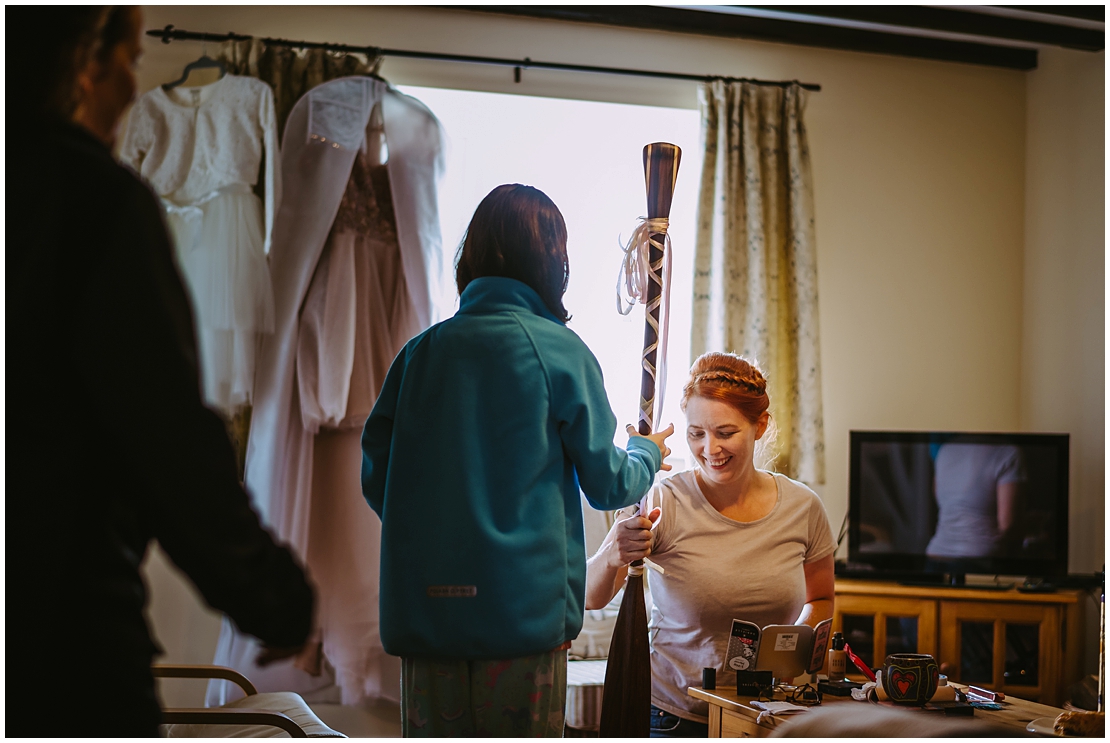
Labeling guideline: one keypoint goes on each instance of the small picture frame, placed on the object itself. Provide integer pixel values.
(785, 650)
(743, 646)
(821, 635)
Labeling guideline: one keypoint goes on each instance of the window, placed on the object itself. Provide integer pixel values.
(587, 157)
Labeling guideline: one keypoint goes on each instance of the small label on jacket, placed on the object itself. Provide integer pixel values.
(452, 592)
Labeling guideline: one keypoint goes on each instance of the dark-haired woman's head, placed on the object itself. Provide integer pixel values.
(80, 63)
(517, 232)
(107, 84)
(47, 48)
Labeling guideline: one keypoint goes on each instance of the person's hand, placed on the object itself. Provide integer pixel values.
(632, 538)
(269, 654)
(660, 439)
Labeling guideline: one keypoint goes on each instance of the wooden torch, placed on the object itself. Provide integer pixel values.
(626, 703)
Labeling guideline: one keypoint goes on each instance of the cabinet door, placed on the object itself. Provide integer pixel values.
(876, 625)
(1011, 648)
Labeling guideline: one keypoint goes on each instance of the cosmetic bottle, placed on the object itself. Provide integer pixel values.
(838, 659)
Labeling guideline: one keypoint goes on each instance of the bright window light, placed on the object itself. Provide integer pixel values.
(587, 157)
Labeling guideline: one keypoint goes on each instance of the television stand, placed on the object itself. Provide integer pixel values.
(957, 580)
(1023, 644)
(1037, 588)
(976, 586)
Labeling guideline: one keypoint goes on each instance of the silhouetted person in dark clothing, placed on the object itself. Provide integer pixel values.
(108, 443)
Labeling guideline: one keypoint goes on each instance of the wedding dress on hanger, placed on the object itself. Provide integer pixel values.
(356, 256)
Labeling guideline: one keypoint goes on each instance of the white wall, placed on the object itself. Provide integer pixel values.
(183, 625)
(919, 173)
(1063, 340)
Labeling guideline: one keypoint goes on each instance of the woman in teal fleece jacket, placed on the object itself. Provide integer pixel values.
(487, 427)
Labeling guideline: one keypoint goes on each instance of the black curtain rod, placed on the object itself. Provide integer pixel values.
(169, 33)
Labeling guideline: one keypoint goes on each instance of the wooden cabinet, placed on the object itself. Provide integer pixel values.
(724, 723)
(1014, 648)
(896, 625)
(1023, 644)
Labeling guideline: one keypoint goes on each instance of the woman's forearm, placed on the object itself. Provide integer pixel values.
(627, 541)
(603, 577)
(820, 590)
(815, 612)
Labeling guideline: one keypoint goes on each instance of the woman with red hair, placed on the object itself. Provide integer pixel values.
(734, 542)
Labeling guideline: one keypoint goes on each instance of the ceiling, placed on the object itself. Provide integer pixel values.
(993, 35)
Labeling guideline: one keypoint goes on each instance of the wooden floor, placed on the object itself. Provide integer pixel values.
(382, 720)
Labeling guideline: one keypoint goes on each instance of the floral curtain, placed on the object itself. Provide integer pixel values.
(755, 283)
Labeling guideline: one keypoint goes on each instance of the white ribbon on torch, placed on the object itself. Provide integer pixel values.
(634, 277)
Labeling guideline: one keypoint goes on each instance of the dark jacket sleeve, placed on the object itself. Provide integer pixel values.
(137, 365)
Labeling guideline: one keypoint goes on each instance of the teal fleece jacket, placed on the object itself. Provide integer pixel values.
(487, 426)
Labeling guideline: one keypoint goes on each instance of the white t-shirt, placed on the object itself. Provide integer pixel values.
(967, 480)
(718, 570)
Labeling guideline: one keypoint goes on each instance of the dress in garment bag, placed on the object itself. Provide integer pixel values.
(348, 295)
(200, 149)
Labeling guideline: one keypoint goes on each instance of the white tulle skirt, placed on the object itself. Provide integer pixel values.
(219, 241)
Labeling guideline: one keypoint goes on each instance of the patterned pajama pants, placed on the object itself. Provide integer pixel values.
(520, 698)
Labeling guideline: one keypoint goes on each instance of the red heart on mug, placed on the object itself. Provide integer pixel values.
(903, 680)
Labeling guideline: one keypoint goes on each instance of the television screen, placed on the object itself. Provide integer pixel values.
(955, 503)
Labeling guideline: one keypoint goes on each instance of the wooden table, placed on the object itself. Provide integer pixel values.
(732, 716)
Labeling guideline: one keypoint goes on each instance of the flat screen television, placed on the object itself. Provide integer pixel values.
(936, 506)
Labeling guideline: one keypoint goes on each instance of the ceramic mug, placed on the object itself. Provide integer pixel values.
(910, 678)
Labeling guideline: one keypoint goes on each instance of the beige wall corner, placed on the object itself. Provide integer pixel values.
(1063, 377)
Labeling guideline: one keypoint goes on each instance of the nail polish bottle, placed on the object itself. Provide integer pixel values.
(838, 659)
